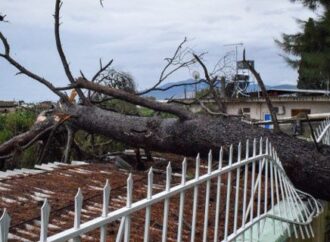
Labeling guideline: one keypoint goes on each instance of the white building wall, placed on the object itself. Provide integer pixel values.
(259, 109)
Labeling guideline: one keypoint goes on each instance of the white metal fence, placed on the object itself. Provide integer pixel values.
(256, 190)
(322, 132)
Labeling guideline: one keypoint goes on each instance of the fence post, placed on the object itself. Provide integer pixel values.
(148, 209)
(78, 201)
(228, 193)
(194, 212)
(238, 172)
(246, 174)
(45, 211)
(105, 209)
(207, 197)
(128, 205)
(167, 201)
(217, 211)
(4, 226)
(181, 209)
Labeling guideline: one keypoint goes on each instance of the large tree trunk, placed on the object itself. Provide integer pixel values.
(308, 169)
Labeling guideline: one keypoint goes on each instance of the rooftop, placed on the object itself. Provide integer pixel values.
(23, 191)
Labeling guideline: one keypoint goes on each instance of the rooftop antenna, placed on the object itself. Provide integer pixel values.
(236, 45)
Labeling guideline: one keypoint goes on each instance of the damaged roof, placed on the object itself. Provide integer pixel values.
(23, 191)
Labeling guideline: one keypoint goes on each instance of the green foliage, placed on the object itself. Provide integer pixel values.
(313, 4)
(203, 93)
(28, 157)
(146, 112)
(312, 49)
(120, 106)
(97, 144)
(15, 123)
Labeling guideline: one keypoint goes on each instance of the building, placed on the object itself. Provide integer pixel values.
(8, 106)
(288, 103)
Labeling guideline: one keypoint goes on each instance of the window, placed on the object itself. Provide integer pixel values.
(295, 112)
(246, 110)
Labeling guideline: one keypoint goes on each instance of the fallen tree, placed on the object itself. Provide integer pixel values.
(186, 134)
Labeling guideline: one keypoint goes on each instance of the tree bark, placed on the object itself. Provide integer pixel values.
(308, 169)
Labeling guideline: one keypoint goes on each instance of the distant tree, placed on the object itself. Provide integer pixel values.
(309, 51)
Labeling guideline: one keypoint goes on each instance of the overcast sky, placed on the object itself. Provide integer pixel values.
(138, 35)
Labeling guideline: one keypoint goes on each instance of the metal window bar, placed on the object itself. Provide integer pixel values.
(267, 179)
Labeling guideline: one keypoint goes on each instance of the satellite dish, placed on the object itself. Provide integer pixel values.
(196, 75)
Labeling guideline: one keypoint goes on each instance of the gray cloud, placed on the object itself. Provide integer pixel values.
(138, 35)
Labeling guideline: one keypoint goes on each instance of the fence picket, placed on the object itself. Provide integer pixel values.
(129, 200)
(228, 193)
(217, 212)
(148, 209)
(207, 197)
(251, 203)
(45, 211)
(182, 194)
(283, 201)
(4, 226)
(78, 202)
(299, 209)
(245, 187)
(105, 209)
(238, 172)
(167, 201)
(195, 201)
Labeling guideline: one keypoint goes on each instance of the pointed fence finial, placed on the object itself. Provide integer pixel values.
(4, 226)
(230, 154)
(239, 152)
(254, 147)
(106, 198)
(209, 164)
(220, 158)
(168, 176)
(150, 183)
(184, 171)
(198, 162)
(247, 149)
(78, 201)
(45, 212)
(260, 146)
(129, 190)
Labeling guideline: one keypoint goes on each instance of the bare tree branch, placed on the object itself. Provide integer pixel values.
(23, 70)
(2, 18)
(102, 69)
(212, 84)
(264, 93)
(68, 146)
(31, 142)
(182, 113)
(64, 61)
(176, 61)
(210, 111)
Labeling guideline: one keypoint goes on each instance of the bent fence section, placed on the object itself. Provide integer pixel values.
(253, 186)
(322, 132)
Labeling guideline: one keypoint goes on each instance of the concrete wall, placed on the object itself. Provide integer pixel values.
(7, 109)
(259, 109)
